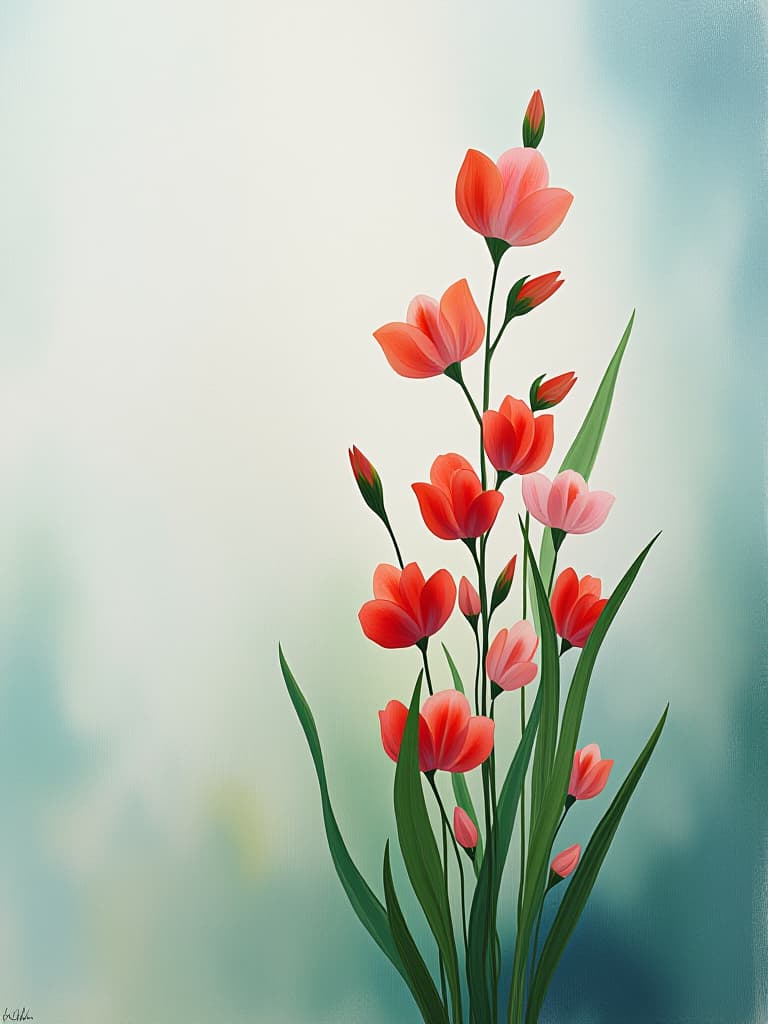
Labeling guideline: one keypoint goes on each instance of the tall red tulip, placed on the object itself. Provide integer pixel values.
(510, 200)
(434, 335)
(451, 738)
(576, 606)
(407, 609)
(589, 773)
(515, 440)
(454, 505)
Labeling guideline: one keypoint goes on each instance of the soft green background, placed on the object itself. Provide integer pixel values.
(206, 209)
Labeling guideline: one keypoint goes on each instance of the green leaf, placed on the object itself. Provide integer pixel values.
(583, 452)
(584, 878)
(460, 788)
(365, 904)
(545, 824)
(420, 853)
(549, 686)
(484, 902)
(423, 987)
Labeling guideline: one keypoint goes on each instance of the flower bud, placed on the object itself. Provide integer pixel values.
(565, 862)
(533, 122)
(464, 829)
(525, 294)
(469, 601)
(503, 584)
(368, 481)
(545, 394)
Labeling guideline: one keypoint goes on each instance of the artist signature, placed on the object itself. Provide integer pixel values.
(17, 1015)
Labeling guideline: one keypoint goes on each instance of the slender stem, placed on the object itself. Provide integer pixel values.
(522, 730)
(446, 824)
(423, 648)
(391, 533)
(487, 366)
(536, 940)
(470, 399)
(477, 671)
(552, 575)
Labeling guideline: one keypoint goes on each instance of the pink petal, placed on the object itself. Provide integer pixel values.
(536, 491)
(566, 488)
(409, 351)
(537, 216)
(589, 512)
(461, 324)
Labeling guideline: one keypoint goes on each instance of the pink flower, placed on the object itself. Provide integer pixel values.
(434, 336)
(564, 863)
(510, 200)
(589, 774)
(451, 738)
(509, 663)
(464, 829)
(566, 503)
(469, 599)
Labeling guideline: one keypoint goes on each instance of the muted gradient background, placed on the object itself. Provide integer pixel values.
(206, 209)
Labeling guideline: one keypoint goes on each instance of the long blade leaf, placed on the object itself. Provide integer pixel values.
(368, 908)
(584, 878)
(423, 987)
(583, 452)
(420, 853)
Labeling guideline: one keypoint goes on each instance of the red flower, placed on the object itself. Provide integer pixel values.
(406, 609)
(510, 199)
(451, 738)
(515, 440)
(454, 505)
(576, 606)
(434, 336)
(589, 774)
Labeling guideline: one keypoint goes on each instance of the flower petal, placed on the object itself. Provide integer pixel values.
(392, 722)
(388, 625)
(523, 170)
(436, 511)
(536, 491)
(479, 192)
(447, 714)
(465, 327)
(482, 513)
(477, 745)
(409, 351)
(444, 467)
(537, 216)
(437, 600)
(386, 582)
(541, 445)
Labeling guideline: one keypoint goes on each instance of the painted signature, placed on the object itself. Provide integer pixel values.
(17, 1015)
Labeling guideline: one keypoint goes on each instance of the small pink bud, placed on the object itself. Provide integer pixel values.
(469, 599)
(533, 122)
(464, 829)
(589, 774)
(566, 861)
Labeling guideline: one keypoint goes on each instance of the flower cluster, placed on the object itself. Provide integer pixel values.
(510, 204)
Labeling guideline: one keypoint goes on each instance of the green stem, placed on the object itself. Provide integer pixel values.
(522, 731)
(447, 824)
(477, 671)
(487, 366)
(391, 533)
(422, 645)
(460, 381)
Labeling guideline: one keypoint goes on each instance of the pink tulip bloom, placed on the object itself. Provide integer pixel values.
(451, 738)
(469, 599)
(566, 503)
(589, 774)
(434, 335)
(564, 863)
(464, 829)
(510, 200)
(509, 663)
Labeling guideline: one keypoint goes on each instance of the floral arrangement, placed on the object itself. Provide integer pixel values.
(455, 861)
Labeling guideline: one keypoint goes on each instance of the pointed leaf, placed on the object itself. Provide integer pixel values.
(423, 987)
(420, 853)
(365, 904)
(584, 878)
